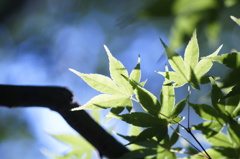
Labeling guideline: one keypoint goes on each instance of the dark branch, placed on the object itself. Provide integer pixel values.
(59, 99)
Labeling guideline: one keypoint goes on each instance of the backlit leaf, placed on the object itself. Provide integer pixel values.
(231, 60)
(162, 152)
(220, 140)
(148, 101)
(142, 119)
(178, 79)
(104, 101)
(114, 113)
(175, 120)
(204, 65)
(216, 96)
(76, 151)
(208, 128)
(236, 111)
(233, 131)
(207, 112)
(235, 91)
(175, 60)
(117, 69)
(232, 103)
(191, 54)
(99, 82)
(217, 153)
(139, 153)
(236, 20)
(178, 108)
(167, 97)
(159, 132)
(193, 79)
(136, 72)
(174, 137)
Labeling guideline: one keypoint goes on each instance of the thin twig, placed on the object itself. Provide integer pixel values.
(188, 128)
(188, 107)
(189, 142)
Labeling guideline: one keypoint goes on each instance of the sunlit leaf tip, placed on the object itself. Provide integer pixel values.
(215, 53)
(72, 70)
(109, 52)
(191, 54)
(106, 48)
(136, 72)
(76, 109)
(166, 68)
(236, 20)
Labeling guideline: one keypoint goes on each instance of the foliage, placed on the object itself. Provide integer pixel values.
(219, 126)
(188, 15)
(77, 151)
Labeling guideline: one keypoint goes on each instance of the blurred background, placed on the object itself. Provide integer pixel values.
(40, 40)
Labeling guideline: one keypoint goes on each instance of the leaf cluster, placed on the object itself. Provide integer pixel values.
(162, 114)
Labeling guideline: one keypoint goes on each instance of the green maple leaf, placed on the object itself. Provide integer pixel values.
(189, 70)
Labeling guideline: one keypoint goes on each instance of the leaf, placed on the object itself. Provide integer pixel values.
(99, 82)
(217, 153)
(205, 79)
(150, 143)
(193, 80)
(167, 97)
(220, 140)
(142, 119)
(207, 112)
(72, 140)
(174, 137)
(162, 152)
(140, 153)
(134, 130)
(148, 101)
(231, 60)
(178, 108)
(104, 101)
(175, 61)
(232, 103)
(216, 96)
(145, 135)
(233, 131)
(175, 120)
(174, 77)
(204, 65)
(236, 111)
(235, 91)
(208, 128)
(142, 84)
(114, 113)
(136, 72)
(236, 20)
(116, 71)
(191, 54)
(160, 132)
(76, 151)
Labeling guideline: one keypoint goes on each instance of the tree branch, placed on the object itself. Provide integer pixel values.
(59, 99)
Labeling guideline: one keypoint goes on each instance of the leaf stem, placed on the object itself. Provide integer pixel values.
(188, 107)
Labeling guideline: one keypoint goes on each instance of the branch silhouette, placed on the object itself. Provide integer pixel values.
(60, 99)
